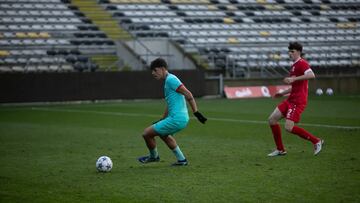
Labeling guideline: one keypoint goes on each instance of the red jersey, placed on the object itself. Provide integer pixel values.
(299, 89)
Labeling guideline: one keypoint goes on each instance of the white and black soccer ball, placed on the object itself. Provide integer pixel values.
(319, 91)
(104, 164)
(329, 91)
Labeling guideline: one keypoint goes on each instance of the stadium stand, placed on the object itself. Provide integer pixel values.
(239, 38)
(48, 36)
(249, 38)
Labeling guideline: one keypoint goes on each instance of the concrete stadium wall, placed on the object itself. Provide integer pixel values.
(340, 84)
(50, 87)
(150, 49)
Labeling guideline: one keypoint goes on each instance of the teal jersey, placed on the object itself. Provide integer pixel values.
(175, 101)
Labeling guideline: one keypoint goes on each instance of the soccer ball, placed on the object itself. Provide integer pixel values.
(329, 91)
(104, 164)
(319, 91)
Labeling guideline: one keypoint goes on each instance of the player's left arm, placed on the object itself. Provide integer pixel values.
(188, 96)
(191, 100)
(308, 74)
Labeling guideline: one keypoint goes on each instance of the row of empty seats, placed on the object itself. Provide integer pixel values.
(52, 42)
(219, 17)
(36, 1)
(35, 35)
(32, 6)
(240, 7)
(36, 68)
(246, 27)
(314, 17)
(25, 35)
(46, 63)
(301, 34)
(35, 42)
(14, 20)
(223, 40)
(35, 13)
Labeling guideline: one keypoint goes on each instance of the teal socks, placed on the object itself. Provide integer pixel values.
(178, 153)
(154, 153)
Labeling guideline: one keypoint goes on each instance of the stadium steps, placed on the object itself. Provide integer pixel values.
(105, 62)
(102, 19)
(200, 61)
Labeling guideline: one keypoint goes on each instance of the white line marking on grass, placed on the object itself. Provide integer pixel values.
(304, 124)
(97, 112)
(210, 118)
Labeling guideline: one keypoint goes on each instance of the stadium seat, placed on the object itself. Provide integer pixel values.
(5, 69)
(18, 69)
(67, 67)
(54, 68)
(29, 68)
(4, 53)
(42, 68)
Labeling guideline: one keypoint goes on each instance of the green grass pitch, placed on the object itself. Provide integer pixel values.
(48, 154)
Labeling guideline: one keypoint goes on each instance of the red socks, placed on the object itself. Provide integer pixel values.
(276, 131)
(304, 134)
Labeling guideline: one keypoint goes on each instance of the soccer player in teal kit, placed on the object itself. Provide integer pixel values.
(175, 117)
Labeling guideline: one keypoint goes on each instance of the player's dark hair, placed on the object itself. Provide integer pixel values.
(295, 45)
(157, 63)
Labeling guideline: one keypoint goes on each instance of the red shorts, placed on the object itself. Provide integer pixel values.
(291, 111)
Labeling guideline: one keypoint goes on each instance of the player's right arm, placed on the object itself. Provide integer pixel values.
(282, 93)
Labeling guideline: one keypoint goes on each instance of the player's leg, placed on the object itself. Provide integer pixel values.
(317, 142)
(171, 143)
(292, 117)
(167, 127)
(275, 116)
(290, 126)
(149, 137)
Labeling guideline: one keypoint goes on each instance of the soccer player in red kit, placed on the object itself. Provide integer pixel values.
(292, 107)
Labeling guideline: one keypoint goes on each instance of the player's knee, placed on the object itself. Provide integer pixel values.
(272, 121)
(289, 127)
(145, 134)
(149, 133)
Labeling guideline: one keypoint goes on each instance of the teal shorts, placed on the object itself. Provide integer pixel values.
(169, 125)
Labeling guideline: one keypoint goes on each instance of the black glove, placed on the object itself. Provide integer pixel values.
(200, 117)
(156, 121)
